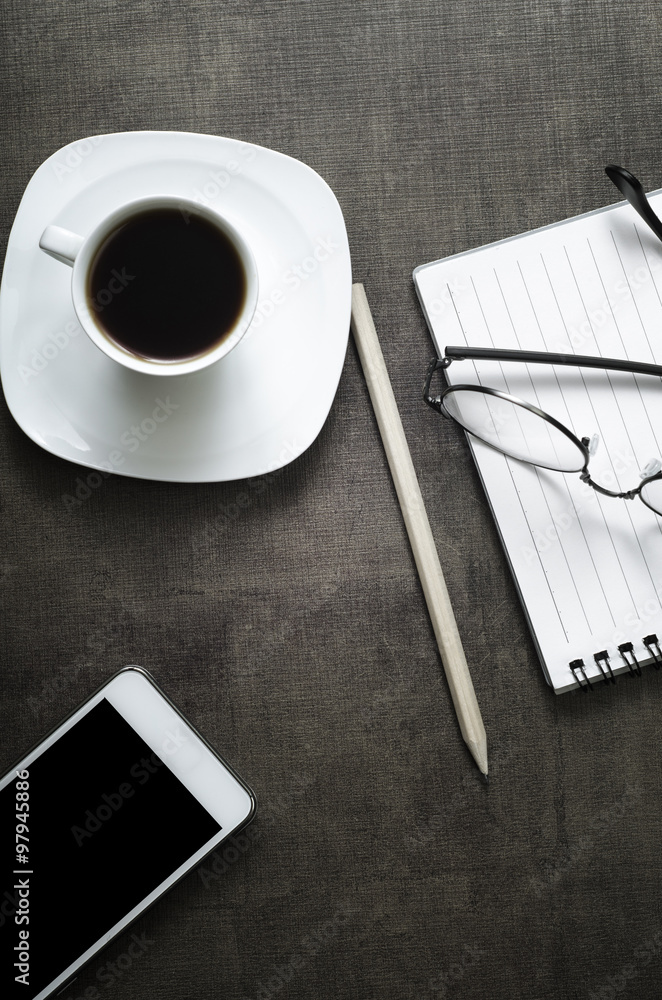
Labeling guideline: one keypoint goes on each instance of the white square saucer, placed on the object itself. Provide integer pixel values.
(252, 412)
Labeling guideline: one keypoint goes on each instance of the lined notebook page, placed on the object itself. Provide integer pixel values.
(588, 567)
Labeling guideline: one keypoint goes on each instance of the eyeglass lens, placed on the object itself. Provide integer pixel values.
(651, 494)
(514, 429)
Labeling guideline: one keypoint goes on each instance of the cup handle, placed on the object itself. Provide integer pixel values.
(61, 244)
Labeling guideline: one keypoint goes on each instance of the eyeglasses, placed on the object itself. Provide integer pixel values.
(524, 431)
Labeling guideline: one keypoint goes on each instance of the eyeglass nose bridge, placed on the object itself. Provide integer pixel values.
(585, 477)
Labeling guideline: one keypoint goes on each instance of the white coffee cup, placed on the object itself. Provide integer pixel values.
(79, 253)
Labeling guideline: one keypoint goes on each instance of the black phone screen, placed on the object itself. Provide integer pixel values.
(107, 823)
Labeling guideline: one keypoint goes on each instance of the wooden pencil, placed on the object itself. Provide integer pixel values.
(418, 529)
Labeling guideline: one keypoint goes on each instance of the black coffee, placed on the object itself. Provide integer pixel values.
(167, 285)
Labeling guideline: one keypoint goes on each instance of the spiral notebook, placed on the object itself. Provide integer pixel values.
(588, 568)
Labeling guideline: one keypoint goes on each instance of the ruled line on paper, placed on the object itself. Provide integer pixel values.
(505, 379)
(565, 557)
(538, 403)
(581, 374)
(597, 422)
(535, 547)
(591, 557)
(542, 336)
(515, 490)
(645, 256)
(609, 379)
(529, 526)
(643, 327)
(450, 293)
(634, 378)
(607, 299)
(634, 301)
(600, 430)
(618, 406)
(620, 335)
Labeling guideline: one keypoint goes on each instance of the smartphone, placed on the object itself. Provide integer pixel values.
(99, 820)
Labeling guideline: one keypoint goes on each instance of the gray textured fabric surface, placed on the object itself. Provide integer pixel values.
(295, 634)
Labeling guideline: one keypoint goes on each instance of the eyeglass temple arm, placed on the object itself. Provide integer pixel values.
(543, 358)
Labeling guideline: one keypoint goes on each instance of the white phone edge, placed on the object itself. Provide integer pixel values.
(148, 710)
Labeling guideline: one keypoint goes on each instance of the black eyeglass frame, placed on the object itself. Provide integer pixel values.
(539, 358)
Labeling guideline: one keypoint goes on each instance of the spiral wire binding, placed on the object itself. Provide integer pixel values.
(577, 666)
(633, 664)
(603, 661)
(653, 646)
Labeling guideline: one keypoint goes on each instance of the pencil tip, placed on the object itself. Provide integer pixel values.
(485, 778)
(478, 750)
